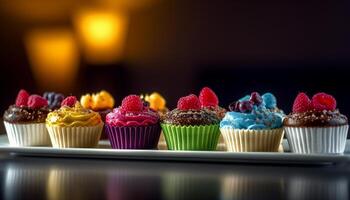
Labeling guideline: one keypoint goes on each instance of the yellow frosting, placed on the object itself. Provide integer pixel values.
(99, 101)
(76, 116)
(156, 101)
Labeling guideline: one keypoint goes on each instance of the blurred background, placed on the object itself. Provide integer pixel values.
(175, 47)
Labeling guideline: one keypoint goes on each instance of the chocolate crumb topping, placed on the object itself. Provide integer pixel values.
(190, 117)
(22, 114)
(315, 118)
(218, 111)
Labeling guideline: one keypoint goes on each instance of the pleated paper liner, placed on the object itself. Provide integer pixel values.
(242, 140)
(75, 137)
(32, 134)
(133, 137)
(191, 137)
(317, 139)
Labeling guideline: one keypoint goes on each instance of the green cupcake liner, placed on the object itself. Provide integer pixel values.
(200, 138)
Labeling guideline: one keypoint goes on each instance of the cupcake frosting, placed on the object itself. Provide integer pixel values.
(27, 109)
(190, 117)
(320, 111)
(252, 112)
(120, 117)
(73, 117)
(99, 101)
(218, 111)
(23, 114)
(316, 118)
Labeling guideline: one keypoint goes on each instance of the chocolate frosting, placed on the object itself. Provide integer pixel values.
(314, 118)
(190, 117)
(22, 114)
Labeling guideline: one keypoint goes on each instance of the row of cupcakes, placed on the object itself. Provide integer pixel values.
(253, 123)
(52, 119)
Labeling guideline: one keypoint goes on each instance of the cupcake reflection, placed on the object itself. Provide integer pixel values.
(317, 188)
(19, 182)
(133, 184)
(72, 184)
(178, 186)
(251, 187)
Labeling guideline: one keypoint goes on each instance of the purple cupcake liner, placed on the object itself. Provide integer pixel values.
(133, 137)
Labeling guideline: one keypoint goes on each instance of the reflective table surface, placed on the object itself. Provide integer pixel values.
(57, 178)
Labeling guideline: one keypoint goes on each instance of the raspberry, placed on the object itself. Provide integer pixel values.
(132, 103)
(69, 101)
(302, 103)
(36, 101)
(256, 98)
(322, 101)
(189, 102)
(245, 106)
(22, 98)
(208, 98)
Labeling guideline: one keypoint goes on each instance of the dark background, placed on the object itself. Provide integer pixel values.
(178, 46)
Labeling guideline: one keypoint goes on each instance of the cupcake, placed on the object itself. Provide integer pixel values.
(73, 126)
(133, 125)
(54, 100)
(316, 126)
(254, 124)
(101, 102)
(25, 121)
(190, 127)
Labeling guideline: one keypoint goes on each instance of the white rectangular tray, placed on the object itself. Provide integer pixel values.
(103, 151)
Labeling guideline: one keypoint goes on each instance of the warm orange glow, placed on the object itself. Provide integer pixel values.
(128, 4)
(102, 35)
(38, 10)
(54, 57)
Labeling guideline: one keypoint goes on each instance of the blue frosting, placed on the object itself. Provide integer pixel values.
(269, 100)
(264, 116)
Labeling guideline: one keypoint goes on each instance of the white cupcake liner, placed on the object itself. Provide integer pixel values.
(317, 139)
(33, 134)
(242, 140)
(75, 137)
